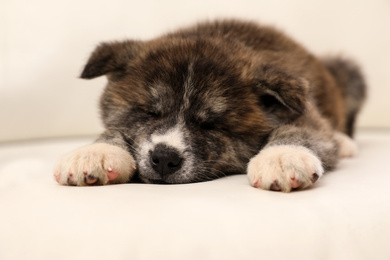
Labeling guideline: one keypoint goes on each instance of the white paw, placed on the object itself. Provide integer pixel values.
(347, 146)
(284, 167)
(95, 164)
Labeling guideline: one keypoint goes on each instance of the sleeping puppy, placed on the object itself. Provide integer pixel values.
(219, 98)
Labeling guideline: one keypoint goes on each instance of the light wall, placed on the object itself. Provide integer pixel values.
(44, 44)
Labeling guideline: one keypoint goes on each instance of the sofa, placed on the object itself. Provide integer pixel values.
(47, 111)
(345, 215)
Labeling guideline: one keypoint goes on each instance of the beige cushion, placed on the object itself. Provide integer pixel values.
(346, 215)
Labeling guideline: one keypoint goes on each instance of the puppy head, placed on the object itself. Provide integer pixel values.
(186, 109)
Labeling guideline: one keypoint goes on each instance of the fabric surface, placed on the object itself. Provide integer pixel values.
(346, 215)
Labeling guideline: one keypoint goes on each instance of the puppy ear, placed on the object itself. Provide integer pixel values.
(110, 57)
(281, 94)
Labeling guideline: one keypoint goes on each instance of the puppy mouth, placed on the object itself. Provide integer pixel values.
(161, 181)
(153, 178)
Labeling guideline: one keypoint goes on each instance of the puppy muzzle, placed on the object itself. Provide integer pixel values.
(165, 160)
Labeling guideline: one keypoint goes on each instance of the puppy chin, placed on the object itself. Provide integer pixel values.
(150, 177)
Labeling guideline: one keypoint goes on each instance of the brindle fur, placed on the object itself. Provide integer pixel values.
(235, 87)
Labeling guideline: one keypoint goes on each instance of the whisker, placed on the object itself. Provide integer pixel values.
(205, 173)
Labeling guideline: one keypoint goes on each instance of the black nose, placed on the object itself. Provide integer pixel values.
(165, 160)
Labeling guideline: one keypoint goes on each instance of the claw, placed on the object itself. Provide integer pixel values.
(112, 175)
(295, 183)
(89, 179)
(275, 186)
(314, 177)
(57, 177)
(70, 180)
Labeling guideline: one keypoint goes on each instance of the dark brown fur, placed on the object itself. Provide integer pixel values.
(269, 88)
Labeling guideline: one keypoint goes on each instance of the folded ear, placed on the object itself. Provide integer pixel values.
(281, 94)
(110, 57)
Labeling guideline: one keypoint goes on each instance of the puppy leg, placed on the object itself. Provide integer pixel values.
(294, 158)
(95, 164)
(347, 146)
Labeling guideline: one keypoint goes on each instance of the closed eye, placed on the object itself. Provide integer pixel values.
(212, 123)
(208, 125)
(153, 114)
(146, 112)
